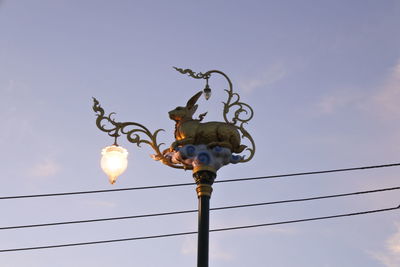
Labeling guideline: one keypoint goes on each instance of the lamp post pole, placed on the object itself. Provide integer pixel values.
(201, 147)
(204, 181)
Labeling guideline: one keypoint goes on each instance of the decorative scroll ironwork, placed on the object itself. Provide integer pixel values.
(133, 131)
(242, 112)
(193, 74)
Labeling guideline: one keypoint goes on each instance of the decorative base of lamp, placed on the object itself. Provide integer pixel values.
(202, 158)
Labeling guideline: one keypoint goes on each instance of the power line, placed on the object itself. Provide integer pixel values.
(192, 211)
(305, 220)
(97, 191)
(310, 173)
(309, 198)
(187, 184)
(194, 232)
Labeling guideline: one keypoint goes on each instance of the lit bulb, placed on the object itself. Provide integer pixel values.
(114, 161)
(207, 92)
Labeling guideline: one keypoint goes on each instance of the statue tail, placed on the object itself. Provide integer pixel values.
(240, 149)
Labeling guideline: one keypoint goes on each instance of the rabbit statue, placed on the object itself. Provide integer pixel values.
(193, 131)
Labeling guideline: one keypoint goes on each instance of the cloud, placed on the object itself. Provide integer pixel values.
(227, 254)
(45, 168)
(217, 252)
(269, 76)
(391, 256)
(189, 246)
(222, 223)
(341, 100)
(388, 97)
(102, 203)
(17, 110)
(333, 103)
(384, 101)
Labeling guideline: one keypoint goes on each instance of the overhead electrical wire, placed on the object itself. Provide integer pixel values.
(193, 211)
(309, 173)
(195, 232)
(187, 184)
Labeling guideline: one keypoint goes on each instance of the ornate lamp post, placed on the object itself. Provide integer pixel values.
(203, 147)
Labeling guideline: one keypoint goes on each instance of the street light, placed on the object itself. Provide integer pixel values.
(203, 147)
(114, 161)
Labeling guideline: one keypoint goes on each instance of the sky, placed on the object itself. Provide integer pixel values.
(323, 78)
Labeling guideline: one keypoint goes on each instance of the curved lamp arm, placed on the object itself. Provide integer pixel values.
(133, 132)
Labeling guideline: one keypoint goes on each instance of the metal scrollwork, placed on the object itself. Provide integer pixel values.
(133, 132)
(242, 112)
(193, 74)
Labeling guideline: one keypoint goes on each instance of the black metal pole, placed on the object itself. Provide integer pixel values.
(202, 242)
(204, 181)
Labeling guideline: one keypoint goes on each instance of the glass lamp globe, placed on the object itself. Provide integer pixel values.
(207, 92)
(114, 161)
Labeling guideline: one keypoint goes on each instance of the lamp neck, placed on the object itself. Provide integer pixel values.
(204, 180)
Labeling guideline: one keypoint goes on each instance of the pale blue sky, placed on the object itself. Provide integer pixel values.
(323, 78)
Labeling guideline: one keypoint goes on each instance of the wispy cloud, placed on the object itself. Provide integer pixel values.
(334, 103)
(256, 231)
(189, 245)
(18, 114)
(217, 252)
(222, 253)
(382, 101)
(388, 97)
(390, 257)
(45, 168)
(269, 76)
(102, 203)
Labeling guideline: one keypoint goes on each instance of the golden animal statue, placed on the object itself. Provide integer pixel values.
(193, 131)
(189, 131)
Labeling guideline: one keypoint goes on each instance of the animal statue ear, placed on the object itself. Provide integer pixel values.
(193, 110)
(193, 100)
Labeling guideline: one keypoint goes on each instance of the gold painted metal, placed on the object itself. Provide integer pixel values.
(204, 168)
(194, 132)
(213, 132)
(204, 190)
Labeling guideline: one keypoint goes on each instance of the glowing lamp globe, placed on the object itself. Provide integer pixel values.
(114, 161)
